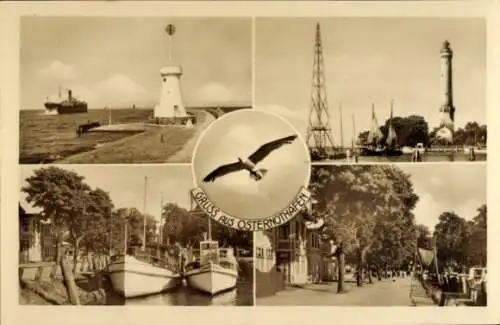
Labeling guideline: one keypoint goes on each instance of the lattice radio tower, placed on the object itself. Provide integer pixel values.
(319, 137)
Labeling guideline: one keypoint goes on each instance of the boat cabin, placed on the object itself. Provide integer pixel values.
(210, 252)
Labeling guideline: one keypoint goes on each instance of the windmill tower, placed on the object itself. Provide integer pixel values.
(319, 134)
(171, 105)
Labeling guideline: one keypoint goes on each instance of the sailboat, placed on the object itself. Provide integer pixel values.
(392, 148)
(142, 275)
(216, 269)
(374, 138)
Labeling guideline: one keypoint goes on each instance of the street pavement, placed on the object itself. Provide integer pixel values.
(382, 293)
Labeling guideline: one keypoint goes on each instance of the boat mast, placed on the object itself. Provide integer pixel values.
(371, 134)
(144, 214)
(126, 237)
(110, 235)
(341, 130)
(353, 131)
(390, 134)
(209, 229)
(161, 220)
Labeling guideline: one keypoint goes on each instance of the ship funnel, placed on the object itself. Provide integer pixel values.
(70, 94)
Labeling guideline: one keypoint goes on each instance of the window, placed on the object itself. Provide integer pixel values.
(260, 252)
(284, 232)
(269, 253)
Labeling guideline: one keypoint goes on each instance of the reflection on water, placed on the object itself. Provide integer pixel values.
(427, 157)
(242, 295)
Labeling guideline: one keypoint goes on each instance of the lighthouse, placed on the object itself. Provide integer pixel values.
(447, 110)
(171, 106)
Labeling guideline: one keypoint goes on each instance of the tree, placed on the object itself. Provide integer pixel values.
(452, 233)
(135, 227)
(181, 226)
(471, 134)
(349, 198)
(117, 226)
(187, 228)
(152, 235)
(93, 228)
(363, 137)
(424, 236)
(409, 130)
(63, 198)
(395, 232)
(233, 238)
(477, 242)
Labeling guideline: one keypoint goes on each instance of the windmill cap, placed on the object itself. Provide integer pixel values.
(171, 70)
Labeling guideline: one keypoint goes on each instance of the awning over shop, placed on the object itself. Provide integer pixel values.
(426, 256)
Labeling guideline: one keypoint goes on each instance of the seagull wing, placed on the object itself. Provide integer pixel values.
(267, 148)
(223, 170)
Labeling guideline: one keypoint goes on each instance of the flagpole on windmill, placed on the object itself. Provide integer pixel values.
(170, 29)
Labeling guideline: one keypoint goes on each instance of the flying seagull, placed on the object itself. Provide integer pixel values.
(250, 163)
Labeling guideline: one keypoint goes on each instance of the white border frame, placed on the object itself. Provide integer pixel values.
(9, 83)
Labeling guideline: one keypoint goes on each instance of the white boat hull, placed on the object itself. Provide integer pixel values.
(133, 278)
(212, 278)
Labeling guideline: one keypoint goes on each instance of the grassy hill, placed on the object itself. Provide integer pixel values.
(155, 145)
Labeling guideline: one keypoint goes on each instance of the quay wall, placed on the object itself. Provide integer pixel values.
(41, 271)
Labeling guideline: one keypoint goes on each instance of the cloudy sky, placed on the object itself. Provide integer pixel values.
(456, 187)
(125, 184)
(239, 135)
(371, 60)
(116, 61)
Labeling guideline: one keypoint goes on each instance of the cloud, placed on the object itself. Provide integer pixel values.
(60, 71)
(284, 111)
(429, 208)
(242, 134)
(441, 190)
(114, 91)
(119, 89)
(214, 93)
(297, 117)
(243, 140)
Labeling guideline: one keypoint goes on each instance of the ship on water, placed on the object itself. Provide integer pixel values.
(70, 105)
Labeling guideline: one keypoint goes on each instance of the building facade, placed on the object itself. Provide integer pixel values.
(289, 254)
(298, 253)
(36, 241)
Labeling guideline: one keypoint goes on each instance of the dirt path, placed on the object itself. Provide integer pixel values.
(185, 155)
(381, 293)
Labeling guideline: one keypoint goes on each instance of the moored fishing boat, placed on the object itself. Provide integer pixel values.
(215, 271)
(140, 273)
(132, 277)
(392, 148)
(375, 136)
(374, 147)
